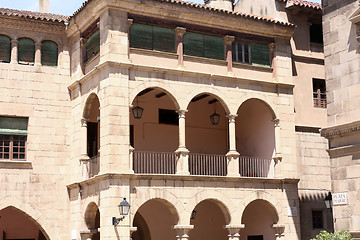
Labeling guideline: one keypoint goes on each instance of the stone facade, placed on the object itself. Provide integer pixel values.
(86, 151)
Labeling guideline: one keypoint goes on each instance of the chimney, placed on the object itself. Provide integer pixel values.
(220, 4)
(44, 6)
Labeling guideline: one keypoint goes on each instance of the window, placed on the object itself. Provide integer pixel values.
(13, 136)
(152, 37)
(256, 237)
(5, 48)
(26, 51)
(49, 53)
(317, 219)
(316, 33)
(93, 45)
(168, 117)
(92, 139)
(253, 53)
(202, 45)
(319, 93)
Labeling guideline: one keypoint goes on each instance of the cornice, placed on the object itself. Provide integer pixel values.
(340, 130)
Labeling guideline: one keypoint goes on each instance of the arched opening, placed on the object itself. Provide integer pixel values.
(259, 217)
(49, 53)
(26, 51)
(5, 48)
(255, 138)
(154, 132)
(92, 118)
(92, 220)
(155, 220)
(15, 224)
(206, 138)
(209, 218)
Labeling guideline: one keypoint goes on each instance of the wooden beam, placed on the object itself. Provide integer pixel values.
(145, 91)
(213, 101)
(195, 99)
(160, 95)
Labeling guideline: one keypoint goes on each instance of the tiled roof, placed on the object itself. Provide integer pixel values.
(203, 6)
(33, 15)
(302, 3)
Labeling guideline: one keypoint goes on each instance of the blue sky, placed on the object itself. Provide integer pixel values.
(65, 7)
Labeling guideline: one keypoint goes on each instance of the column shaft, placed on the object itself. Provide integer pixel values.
(182, 165)
(179, 32)
(228, 40)
(14, 51)
(37, 54)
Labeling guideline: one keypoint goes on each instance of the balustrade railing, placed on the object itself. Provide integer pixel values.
(207, 164)
(256, 167)
(154, 162)
(94, 166)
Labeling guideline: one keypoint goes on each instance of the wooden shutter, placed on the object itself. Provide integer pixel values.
(163, 39)
(49, 53)
(13, 126)
(93, 45)
(141, 36)
(260, 54)
(5, 48)
(26, 50)
(213, 47)
(193, 44)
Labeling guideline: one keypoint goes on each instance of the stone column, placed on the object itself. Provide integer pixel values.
(14, 51)
(130, 22)
(182, 165)
(182, 231)
(272, 48)
(234, 231)
(84, 158)
(37, 54)
(279, 231)
(232, 155)
(132, 230)
(179, 33)
(278, 157)
(228, 40)
(83, 42)
(131, 159)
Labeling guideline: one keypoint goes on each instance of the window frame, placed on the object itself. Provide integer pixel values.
(20, 53)
(43, 59)
(11, 148)
(236, 52)
(319, 94)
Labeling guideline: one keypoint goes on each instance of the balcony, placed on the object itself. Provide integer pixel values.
(200, 164)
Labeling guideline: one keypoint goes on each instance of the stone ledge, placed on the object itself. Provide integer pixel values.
(9, 164)
(341, 130)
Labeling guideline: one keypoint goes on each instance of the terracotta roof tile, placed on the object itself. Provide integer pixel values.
(33, 15)
(302, 3)
(203, 6)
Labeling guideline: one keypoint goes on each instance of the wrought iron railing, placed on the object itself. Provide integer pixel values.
(256, 167)
(154, 162)
(207, 164)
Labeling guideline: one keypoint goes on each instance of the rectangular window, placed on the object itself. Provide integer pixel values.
(168, 117)
(202, 45)
(256, 237)
(13, 137)
(317, 219)
(93, 45)
(152, 37)
(92, 139)
(253, 53)
(316, 33)
(319, 93)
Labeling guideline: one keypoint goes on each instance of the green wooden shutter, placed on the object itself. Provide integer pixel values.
(13, 126)
(93, 45)
(49, 53)
(141, 36)
(260, 54)
(193, 44)
(163, 39)
(5, 48)
(213, 47)
(26, 50)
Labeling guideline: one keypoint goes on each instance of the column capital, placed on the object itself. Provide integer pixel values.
(38, 44)
(276, 122)
(130, 22)
(14, 41)
(231, 117)
(180, 31)
(228, 40)
(279, 230)
(272, 46)
(182, 112)
(234, 227)
(84, 122)
(83, 42)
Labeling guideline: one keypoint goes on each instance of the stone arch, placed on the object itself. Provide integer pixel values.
(223, 201)
(213, 92)
(87, 106)
(267, 101)
(92, 216)
(168, 90)
(261, 195)
(34, 214)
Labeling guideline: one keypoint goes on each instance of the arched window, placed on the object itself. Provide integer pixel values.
(5, 48)
(26, 51)
(49, 53)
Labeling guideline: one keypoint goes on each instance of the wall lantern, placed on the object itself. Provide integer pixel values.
(214, 118)
(328, 201)
(124, 208)
(137, 111)
(193, 214)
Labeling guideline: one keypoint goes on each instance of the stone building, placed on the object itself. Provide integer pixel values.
(203, 118)
(341, 45)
